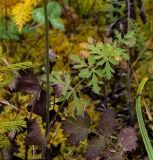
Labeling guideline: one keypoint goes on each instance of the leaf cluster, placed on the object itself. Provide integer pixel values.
(53, 11)
(99, 64)
(64, 90)
(9, 33)
(79, 129)
(135, 38)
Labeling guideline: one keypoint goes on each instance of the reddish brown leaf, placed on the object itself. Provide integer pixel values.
(127, 139)
(76, 129)
(26, 81)
(58, 89)
(96, 147)
(34, 136)
(39, 104)
(107, 123)
(53, 58)
(115, 156)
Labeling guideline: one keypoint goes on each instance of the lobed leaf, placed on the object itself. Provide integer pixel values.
(53, 12)
(96, 147)
(127, 139)
(76, 129)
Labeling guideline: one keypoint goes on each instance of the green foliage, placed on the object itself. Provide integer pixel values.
(106, 55)
(54, 12)
(63, 88)
(85, 6)
(64, 80)
(4, 142)
(101, 60)
(79, 104)
(141, 123)
(115, 9)
(91, 79)
(128, 40)
(99, 65)
(135, 38)
(16, 67)
(9, 126)
(10, 32)
(9, 71)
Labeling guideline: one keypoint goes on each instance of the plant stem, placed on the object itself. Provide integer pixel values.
(47, 64)
(47, 74)
(130, 108)
(141, 123)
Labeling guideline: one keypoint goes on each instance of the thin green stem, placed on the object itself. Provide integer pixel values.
(141, 123)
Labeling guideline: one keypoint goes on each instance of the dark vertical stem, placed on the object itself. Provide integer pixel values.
(129, 69)
(47, 64)
(47, 74)
(130, 108)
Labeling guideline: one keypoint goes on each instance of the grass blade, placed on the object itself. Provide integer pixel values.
(141, 123)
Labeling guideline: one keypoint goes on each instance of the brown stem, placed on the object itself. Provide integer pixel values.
(47, 76)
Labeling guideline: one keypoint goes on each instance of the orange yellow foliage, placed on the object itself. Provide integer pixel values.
(22, 12)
